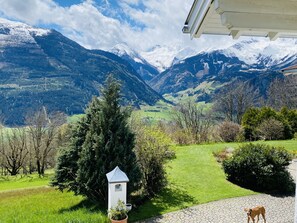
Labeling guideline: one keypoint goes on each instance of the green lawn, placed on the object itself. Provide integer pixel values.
(290, 145)
(29, 199)
(23, 181)
(46, 205)
(194, 178)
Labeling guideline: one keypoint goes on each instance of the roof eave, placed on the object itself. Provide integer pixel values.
(196, 16)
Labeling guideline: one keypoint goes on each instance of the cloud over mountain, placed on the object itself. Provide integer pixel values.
(101, 24)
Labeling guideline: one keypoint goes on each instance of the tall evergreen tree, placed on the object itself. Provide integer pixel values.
(101, 142)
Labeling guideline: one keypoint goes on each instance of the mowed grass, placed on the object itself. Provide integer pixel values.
(194, 178)
(24, 181)
(290, 145)
(29, 199)
(47, 205)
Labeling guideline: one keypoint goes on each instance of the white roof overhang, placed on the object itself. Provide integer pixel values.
(268, 18)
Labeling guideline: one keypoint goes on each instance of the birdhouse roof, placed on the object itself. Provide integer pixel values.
(117, 176)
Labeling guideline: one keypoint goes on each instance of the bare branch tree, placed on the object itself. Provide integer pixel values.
(43, 129)
(191, 119)
(234, 100)
(14, 149)
(271, 129)
(283, 93)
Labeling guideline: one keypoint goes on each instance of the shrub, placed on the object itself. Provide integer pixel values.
(181, 137)
(192, 120)
(229, 131)
(152, 151)
(260, 167)
(254, 118)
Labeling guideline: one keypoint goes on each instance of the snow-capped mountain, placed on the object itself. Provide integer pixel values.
(44, 68)
(40, 66)
(249, 50)
(146, 70)
(162, 57)
(123, 49)
(17, 33)
(256, 61)
(255, 50)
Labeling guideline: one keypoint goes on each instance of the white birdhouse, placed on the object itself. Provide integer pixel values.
(117, 187)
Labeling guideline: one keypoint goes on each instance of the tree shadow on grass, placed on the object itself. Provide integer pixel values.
(88, 205)
(171, 198)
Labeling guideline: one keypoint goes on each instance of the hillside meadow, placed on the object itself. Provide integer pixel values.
(194, 178)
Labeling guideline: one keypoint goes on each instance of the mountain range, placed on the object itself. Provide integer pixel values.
(202, 75)
(41, 67)
(208, 71)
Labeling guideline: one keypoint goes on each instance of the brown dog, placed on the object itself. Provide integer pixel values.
(252, 213)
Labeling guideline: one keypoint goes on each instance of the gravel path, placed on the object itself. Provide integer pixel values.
(278, 209)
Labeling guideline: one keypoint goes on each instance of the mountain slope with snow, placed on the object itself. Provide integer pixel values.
(248, 50)
(146, 70)
(255, 61)
(16, 33)
(44, 68)
(254, 50)
(162, 57)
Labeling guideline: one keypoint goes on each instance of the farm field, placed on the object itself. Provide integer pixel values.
(150, 113)
(194, 178)
(160, 111)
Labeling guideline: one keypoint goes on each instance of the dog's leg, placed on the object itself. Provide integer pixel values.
(263, 216)
(248, 219)
(258, 218)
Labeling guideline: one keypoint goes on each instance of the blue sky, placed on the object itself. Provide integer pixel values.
(101, 24)
(67, 3)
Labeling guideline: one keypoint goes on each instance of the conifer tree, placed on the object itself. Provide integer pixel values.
(101, 142)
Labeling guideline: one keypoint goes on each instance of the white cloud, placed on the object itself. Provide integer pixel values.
(161, 22)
